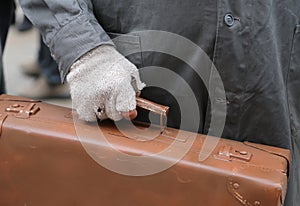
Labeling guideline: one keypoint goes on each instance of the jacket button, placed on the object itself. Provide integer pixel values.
(229, 20)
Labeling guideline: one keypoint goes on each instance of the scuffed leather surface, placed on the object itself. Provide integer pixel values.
(42, 162)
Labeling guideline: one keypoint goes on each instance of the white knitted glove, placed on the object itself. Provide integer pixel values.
(103, 84)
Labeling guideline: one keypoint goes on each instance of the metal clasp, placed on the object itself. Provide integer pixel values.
(228, 153)
(23, 112)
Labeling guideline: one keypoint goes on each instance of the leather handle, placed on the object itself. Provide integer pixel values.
(155, 108)
(152, 106)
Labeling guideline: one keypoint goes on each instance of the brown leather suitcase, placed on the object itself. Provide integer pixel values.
(46, 160)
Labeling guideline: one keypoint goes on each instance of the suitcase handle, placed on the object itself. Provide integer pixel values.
(155, 108)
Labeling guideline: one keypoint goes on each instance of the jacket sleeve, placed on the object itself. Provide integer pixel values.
(68, 27)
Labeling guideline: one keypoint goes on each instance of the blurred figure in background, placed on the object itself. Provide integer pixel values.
(25, 25)
(48, 83)
(6, 14)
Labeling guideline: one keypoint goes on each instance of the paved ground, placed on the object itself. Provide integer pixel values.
(21, 48)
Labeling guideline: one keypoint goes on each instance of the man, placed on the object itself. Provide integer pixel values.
(6, 14)
(253, 44)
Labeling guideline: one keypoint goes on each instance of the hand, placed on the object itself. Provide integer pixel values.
(104, 84)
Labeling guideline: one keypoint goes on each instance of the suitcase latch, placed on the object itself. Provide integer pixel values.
(228, 153)
(23, 112)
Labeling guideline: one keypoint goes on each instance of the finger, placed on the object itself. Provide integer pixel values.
(84, 108)
(129, 115)
(126, 98)
(110, 110)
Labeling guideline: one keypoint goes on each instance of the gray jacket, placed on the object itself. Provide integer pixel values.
(255, 46)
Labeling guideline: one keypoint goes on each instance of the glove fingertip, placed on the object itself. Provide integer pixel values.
(125, 100)
(88, 118)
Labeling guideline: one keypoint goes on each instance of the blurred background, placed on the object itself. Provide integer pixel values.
(22, 47)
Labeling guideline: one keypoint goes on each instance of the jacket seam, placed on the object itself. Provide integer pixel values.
(286, 83)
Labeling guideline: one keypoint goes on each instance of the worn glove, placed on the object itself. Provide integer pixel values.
(103, 84)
